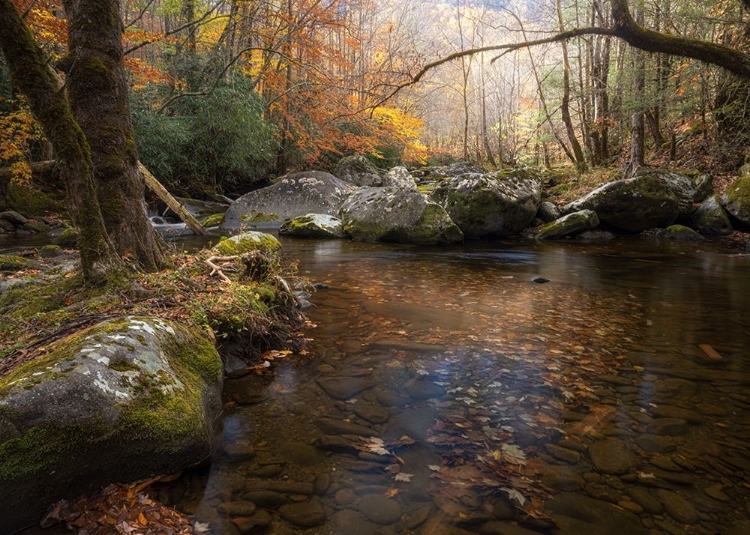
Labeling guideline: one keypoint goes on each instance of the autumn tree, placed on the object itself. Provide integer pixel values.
(96, 149)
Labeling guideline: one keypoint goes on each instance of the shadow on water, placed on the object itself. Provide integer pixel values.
(445, 392)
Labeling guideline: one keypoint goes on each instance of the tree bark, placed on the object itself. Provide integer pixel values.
(32, 76)
(98, 94)
(580, 161)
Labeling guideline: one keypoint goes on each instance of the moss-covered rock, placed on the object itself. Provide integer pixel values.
(397, 215)
(24, 198)
(319, 226)
(682, 187)
(496, 204)
(736, 200)
(570, 224)
(214, 220)
(123, 400)
(680, 232)
(247, 242)
(359, 171)
(67, 238)
(10, 262)
(50, 251)
(399, 177)
(631, 205)
(710, 219)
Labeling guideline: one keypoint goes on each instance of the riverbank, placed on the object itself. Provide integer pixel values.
(142, 339)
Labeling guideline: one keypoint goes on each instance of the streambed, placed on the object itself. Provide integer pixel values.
(446, 392)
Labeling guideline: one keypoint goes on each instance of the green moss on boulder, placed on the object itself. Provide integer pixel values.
(10, 262)
(247, 242)
(120, 401)
(736, 200)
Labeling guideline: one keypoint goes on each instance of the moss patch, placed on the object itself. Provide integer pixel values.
(40, 448)
(247, 242)
(30, 201)
(13, 263)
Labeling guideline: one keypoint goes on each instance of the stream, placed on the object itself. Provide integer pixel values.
(446, 392)
(495, 388)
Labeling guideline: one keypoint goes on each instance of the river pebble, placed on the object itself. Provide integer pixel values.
(304, 514)
(379, 509)
(612, 456)
(677, 506)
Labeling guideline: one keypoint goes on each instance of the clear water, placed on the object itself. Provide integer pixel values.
(612, 399)
(445, 392)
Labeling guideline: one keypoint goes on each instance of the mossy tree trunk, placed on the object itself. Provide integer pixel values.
(32, 76)
(98, 94)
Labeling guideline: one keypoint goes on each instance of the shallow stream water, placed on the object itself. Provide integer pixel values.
(446, 392)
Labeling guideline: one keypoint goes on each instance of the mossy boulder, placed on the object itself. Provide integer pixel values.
(213, 220)
(359, 171)
(548, 211)
(124, 400)
(710, 219)
(682, 187)
(67, 238)
(309, 192)
(399, 177)
(397, 215)
(631, 205)
(680, 233)
(247, 242)
(496, 204)
(9, 262)
(736, 200)
(569, 224)
(29, 200)
(320, 226)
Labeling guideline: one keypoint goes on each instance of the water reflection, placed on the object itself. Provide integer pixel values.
(451, 394)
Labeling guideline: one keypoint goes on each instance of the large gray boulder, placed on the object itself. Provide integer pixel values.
(736, 200)
(496, 204)
(399, 177)
(294, 195)
(710, 219)
(569, 224)
(682, 187)
(124, 400)
(631, 205)
(397, 215)
(359, 171)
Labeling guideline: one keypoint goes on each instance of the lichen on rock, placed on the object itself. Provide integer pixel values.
(123, 400)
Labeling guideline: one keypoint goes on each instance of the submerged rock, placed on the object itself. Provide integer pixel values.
(631, 205)
(497, 204)
(397, 215)
(318, 226)
(124, 400)
(294, 195)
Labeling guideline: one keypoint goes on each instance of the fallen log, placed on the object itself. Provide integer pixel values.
(174, 205)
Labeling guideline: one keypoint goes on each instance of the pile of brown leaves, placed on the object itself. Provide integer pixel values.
(124, 509)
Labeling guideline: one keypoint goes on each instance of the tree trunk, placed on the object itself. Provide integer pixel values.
(580, 161)
(637, 123)
(98, 94)
(32, 76)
